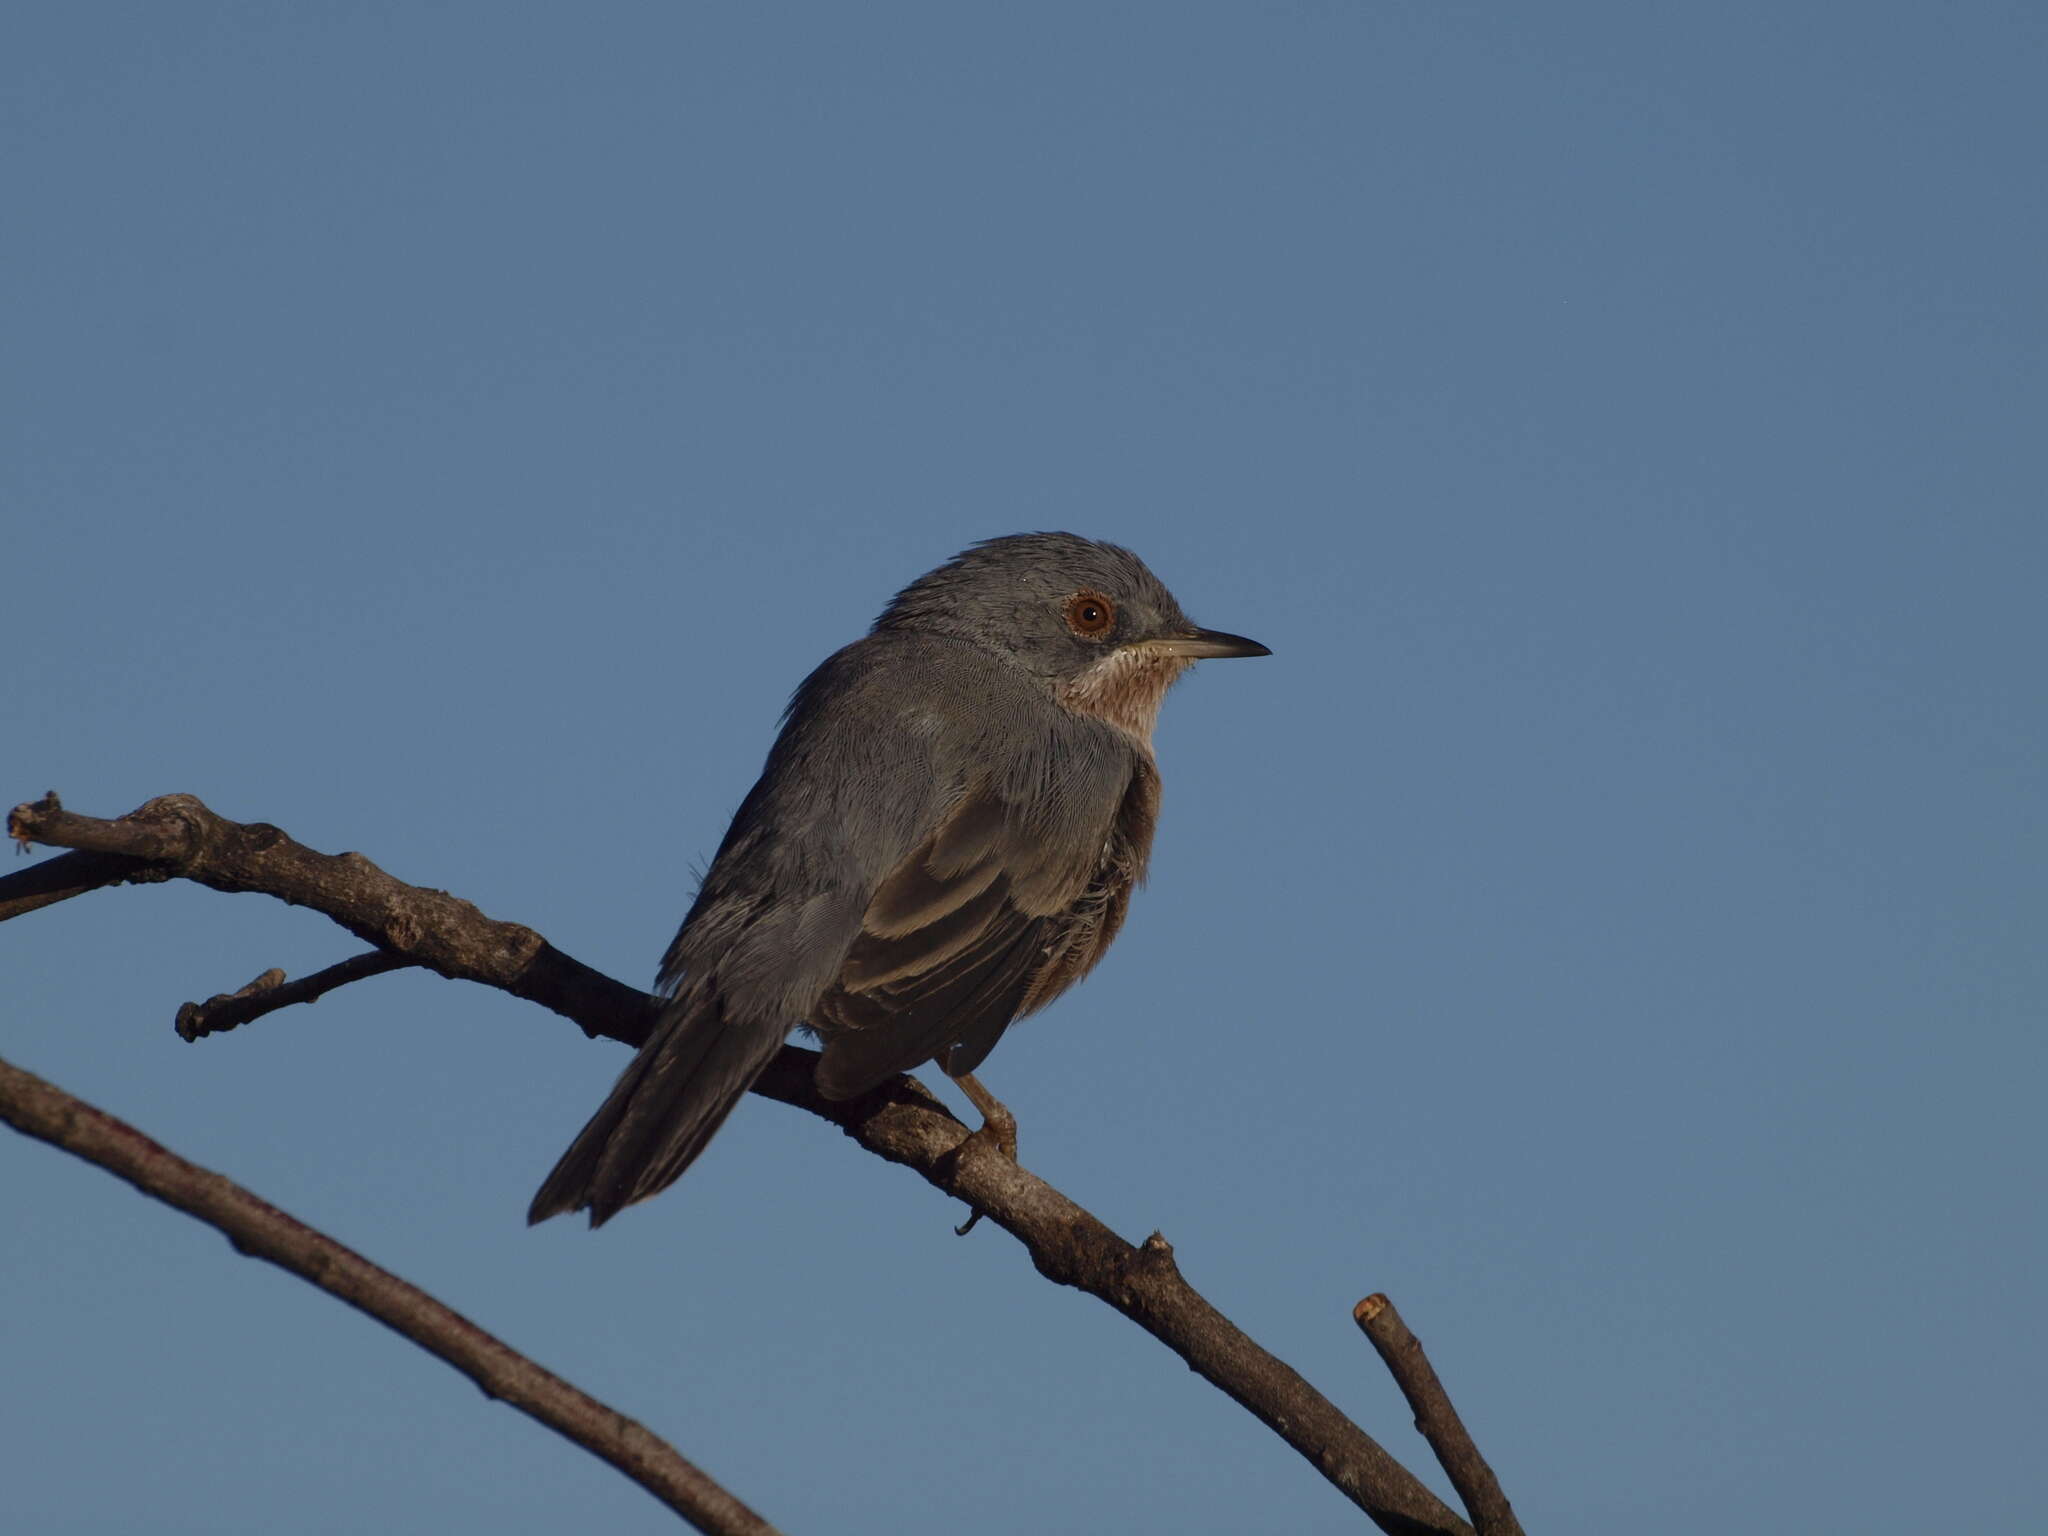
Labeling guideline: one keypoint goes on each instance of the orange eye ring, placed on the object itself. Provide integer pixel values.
(1090, 615)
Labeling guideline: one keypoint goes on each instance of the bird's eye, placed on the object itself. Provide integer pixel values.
(1090, 615)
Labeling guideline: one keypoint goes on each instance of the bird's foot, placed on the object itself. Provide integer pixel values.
(998, 1132)
(998, 1125)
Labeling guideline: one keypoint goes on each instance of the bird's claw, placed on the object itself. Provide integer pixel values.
(998, 1131)
(999, 1134)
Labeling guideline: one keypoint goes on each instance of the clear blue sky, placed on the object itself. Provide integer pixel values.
(1612, 922)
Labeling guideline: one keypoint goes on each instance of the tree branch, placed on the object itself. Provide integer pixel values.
(905, 1124)
(68, 875)
(1491, 1513)
(900, 1121)
(270, 991)
(257, 1228)
(175, 835)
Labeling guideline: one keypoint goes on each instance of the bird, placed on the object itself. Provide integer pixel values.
(944, 838)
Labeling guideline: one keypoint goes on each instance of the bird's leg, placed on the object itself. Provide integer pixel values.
(998, 1125)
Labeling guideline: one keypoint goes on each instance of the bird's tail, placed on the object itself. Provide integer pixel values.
(665, 1107)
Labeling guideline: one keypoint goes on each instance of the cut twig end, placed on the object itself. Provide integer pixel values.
(1402, 1354)
(196, 1020)
(1155, 1254)
(22, 819)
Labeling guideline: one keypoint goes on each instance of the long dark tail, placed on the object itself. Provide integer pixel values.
(666, 1106)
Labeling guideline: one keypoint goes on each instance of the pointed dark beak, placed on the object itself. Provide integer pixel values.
(1206, 645)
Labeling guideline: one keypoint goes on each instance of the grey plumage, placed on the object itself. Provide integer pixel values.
(944, 838)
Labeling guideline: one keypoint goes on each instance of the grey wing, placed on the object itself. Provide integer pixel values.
(1010, 900)
(849, 786)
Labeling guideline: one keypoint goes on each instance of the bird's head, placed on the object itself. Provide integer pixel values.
(1089, 619)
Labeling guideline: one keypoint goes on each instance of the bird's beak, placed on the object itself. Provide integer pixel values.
(1205, 644)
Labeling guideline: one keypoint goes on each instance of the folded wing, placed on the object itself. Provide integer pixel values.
(986, 920)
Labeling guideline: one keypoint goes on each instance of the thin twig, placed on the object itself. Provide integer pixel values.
(270, 991)
(261, 1230)
(899, 1122)
(1491, 1513)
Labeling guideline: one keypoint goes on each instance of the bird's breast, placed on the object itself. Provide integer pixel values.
(1082, 934)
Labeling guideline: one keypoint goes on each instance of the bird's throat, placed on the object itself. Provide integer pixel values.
(1125, 689)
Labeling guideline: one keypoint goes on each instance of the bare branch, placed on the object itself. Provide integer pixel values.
(255, 1227)
(71, 874)
(900, 1121)
(175, 835)
(1436, 1418)
(905, 1124)
(270, 991)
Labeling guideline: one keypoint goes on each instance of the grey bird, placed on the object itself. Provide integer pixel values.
(944, 839)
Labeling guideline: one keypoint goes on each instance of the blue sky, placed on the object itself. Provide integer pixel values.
(1610, 923)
